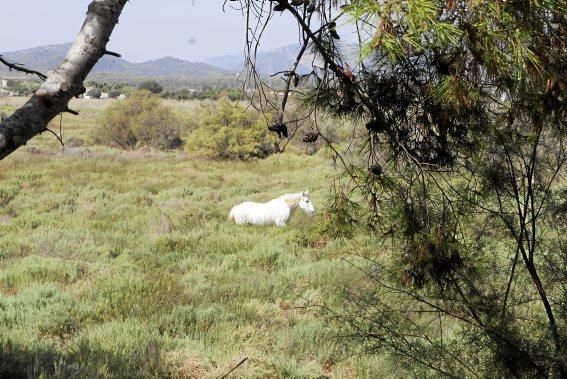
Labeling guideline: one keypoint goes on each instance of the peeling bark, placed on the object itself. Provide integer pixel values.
(65, 81)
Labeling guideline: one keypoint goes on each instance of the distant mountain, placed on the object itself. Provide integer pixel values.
(41, 58)
(267, 62)
(169, 66)
(281, 59)
(45, 58)
(171, 72)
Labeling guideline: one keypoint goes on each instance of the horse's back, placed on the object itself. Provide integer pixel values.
(241, 213)
(250, 212)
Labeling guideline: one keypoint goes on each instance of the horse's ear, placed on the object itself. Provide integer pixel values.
(305, 193)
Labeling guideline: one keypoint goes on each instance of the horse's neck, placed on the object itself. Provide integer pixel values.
(292, 200)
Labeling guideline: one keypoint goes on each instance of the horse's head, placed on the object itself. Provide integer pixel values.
(306, 204)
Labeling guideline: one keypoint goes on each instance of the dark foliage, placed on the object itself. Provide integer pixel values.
(462, 167)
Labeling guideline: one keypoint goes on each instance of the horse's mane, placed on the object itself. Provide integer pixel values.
(292, 199)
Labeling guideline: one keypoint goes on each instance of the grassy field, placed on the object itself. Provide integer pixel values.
(122, 264)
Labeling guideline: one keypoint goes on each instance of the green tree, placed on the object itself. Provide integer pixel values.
(142, 119)
(114, 93)
(235, 94)
(152, 86)
(228, 131)
(183, 94)
(95, 93)
(25, 88)
(102, 87)
(461, 166)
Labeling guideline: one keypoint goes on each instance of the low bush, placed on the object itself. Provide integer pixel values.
(113, 94)
(142, 119)
(228, 131)
(24, 88)
(95, 93)
(152, 86)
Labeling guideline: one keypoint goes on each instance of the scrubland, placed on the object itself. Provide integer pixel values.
(122, 264)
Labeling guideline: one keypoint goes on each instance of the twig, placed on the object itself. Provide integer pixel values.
(18, 67)
(235, 367)
(292, 73)
(73, 112)
(61, 128)
(106, 52)
(56, 136)
(60, 136)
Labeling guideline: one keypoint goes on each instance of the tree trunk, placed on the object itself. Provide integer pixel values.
(65, 81)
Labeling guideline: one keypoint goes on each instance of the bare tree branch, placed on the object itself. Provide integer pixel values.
(18, 67)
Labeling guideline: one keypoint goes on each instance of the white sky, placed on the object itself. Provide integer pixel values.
(148, 29)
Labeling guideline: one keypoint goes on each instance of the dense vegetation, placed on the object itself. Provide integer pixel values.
(218, 130)
(199, 92)
(226, 131)
(460, 167)
(24, 88)
(140, 120)
(151, 85)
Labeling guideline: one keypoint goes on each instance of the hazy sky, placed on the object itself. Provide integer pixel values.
(148, 29)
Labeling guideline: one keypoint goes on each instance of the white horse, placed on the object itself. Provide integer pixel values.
(276, 211)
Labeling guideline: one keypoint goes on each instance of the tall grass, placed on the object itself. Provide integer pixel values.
(116, 264)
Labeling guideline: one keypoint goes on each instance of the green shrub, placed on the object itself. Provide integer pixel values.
(151, 85)
(25, 88)
(95, 93)
(183, 94)
(228, 131)
(113, 94)
(142, 119)
(126, 294)
(8, 194)
(116, 349)
(235, 94)
(37, 269)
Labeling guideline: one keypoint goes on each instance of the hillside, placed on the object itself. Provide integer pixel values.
(114, 69)
(172, 72)
(45, 58)
(267, 62)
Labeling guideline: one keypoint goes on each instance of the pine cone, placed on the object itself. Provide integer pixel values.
(310, 137)
(311, 8)
(281, 129)
(333, 30)
(376, 125)
(375, 170)
(279, 8)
